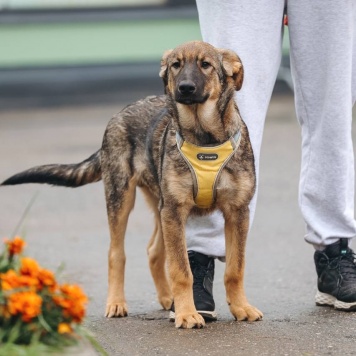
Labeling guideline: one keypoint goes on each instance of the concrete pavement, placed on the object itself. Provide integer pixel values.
(69, 226)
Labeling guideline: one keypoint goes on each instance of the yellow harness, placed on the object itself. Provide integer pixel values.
(206, 164)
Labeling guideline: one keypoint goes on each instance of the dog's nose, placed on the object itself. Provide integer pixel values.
(186, 87)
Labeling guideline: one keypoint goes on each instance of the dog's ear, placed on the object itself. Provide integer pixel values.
(232, 66)
(163, 71)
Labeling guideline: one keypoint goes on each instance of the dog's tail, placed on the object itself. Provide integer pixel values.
(66, 175)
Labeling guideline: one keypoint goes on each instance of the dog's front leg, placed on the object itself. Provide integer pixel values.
(173, 226)
(236, 230)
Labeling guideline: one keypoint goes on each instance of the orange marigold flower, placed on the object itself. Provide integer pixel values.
(76, 312)
(29, 267)
(61, 301)
(73, 302)
(64, 328)
(28, 304)
(15, 246)
(9, 280)
(47, 279)
(28, 281)
(73, 291)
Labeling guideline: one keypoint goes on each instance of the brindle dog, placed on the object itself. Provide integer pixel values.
(140, 150)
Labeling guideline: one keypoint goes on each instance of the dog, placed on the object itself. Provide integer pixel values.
(163, 144)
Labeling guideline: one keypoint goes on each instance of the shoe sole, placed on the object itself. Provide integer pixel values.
(323, 299)
(207, 315)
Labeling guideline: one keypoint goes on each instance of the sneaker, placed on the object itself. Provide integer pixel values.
(202, 268)
(336, 269)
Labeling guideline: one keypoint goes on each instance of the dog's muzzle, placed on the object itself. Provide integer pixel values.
(187, 93)
(186, 88)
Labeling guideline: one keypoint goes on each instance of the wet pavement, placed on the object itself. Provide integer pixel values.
(69, 226)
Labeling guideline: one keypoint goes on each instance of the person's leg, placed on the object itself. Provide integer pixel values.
(323, 57)
(323, 45)
(254, 32)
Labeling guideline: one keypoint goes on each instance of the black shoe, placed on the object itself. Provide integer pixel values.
(336, 269)
(203, 276)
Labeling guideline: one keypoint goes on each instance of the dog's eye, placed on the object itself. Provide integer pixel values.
(176, 64)
(205, 65)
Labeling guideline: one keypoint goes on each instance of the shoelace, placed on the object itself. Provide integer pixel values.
(344, 263)
(347, 265)
(199, 273)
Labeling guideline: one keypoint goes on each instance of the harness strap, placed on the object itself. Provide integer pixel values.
(206, 164)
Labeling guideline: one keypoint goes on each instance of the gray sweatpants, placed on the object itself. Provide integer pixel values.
(323, 61)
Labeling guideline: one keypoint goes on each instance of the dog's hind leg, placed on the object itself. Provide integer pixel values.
(120, 202)
(236, 229)
(157, 256)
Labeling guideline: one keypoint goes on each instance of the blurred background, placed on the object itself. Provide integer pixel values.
(65, 52)
(66, 66)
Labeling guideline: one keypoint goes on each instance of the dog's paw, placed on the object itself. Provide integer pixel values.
(245, 312)
(116, 310)
(166, 302)
(189, 321)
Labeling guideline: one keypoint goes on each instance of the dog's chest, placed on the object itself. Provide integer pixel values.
(206, 165)
(199, 174)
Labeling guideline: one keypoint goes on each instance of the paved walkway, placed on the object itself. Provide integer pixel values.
(69, 226)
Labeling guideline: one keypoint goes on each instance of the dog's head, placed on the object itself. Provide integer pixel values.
(196, 71)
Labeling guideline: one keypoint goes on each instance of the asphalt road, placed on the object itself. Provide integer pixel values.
(69, 226)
